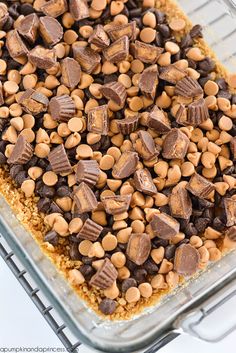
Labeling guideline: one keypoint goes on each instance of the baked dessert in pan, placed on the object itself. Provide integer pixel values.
(117, 144)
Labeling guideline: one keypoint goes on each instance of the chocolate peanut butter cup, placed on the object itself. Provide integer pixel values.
(126, 165)
(62, 108)
(175, 144)
(117, 51)
(118, 31)
(128, 125)
(4, 15)
(50, 30)
(79, 9)
(164, 226)
(159, 121)
(186, 260)
(195, 114)
(41, 57)
(33, 102)
(148, 81)
(143, 182)
(98, 120)
(54, 8)
(28, 27)
(188, 87)
(87, 171)
(116, 204)
(139, 247)
(85, 198)
(15, 45)
(114, 91)
(70, 72)
(22, 151)
(90, 230)
(86, 57)
(199, 186)
(99, 37)
(147, 53)
(172, 74)
(59, 161)
(180, 202)
(105, 276)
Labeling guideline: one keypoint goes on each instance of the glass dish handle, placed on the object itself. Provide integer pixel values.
(212, 320)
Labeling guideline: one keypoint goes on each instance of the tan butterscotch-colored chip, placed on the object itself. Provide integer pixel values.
(109, 242)
(106, 162)
(148, 35)
(84, 151)
(50, 178)
(75, 124)
(177, 24)
(10, 87)
(132, 295)
(145, 290)
(84, 247)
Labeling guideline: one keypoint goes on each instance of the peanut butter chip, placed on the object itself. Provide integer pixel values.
(75, 124)
(84, 151)
(109, 242)
(50, 178)
(132, 295)
(177, 24)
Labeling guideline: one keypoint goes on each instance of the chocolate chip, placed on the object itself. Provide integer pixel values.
(51, 237)
(87, 271)
(21, 177)
(151, 267)
(140, 275)
(196, 31)
(107, 306)
(44, 204)
(170, 252)
(128, 283)
(74, 252)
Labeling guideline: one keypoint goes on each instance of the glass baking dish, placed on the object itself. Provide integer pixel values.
(183, 311)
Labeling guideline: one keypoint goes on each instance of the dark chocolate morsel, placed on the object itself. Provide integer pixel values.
(107, 306)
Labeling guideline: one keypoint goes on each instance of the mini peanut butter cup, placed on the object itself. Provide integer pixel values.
(143, 182)
(99, 37)
(145, 146)
(1, 94)
(59, 160)
(233, 147)
(79, 9)
(4, 15)
(128, 125)
(139, 247)
(164, 226)
(62, 108)
(15, 45)
(197, 112)
(158, 121)
(116, 204)
(87, 171)
(148, 81)
(86, 57)
(84, 198)
(22, 151)
(28, 27)
(186, 260)
(230, 211)
(114, 91)
(105, 276)
(90, 230)
(147, 53)
(172, 74)
(117, 51)
(188, 87)
(98, 120)
(50, 30)
(54, 8)
(41, 57)
(175, 144)
(70, 72)
(231, 233)
(180, 202)
(199, 186)
(33, 102)
(126, 165)
(118, 31)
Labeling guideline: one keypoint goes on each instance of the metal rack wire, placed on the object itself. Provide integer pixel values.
(34, 294)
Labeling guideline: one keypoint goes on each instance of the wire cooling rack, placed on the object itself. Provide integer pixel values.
(37, 297)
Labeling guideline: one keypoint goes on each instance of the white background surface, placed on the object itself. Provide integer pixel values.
(21, 325)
